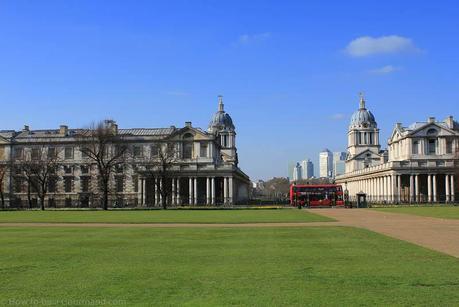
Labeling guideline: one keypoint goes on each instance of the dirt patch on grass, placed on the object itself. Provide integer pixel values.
(434, 233)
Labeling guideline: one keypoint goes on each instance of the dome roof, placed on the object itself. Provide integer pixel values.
(362, 117)
(221, 121)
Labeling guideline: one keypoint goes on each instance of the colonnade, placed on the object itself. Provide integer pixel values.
(388, 188)
(194, 196)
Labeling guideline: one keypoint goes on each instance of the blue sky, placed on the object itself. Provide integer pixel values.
(290, 71)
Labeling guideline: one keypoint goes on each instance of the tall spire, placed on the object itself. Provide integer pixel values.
(220, 103)
(362, 100)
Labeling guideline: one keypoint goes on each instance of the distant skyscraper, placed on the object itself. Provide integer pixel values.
(291, 167)
(339, 164)
(326, 163)
(297, 172)
(307, 168)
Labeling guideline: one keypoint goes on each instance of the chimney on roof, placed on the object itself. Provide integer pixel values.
(26, 128)
(63, 130)
(431, 120)
(172, 127)
(398, 125)
(188, 124)
(450, 122)
(112, 125)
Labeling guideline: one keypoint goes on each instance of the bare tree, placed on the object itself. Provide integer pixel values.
(38, 169)
(4, 168)
(160, 166)
(102, 144)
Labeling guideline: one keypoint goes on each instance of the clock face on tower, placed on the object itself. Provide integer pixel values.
(365, 125)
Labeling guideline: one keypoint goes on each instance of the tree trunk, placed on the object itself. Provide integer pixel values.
(42, 202)
(2, 195)
(164, 201)
(29, 198)
(105, 200)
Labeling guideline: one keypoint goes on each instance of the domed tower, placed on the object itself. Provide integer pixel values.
(363, 148)
(223, 128)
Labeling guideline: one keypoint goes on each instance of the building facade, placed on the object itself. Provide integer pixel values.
(325, 164)
(204, 171)
(420, 164)
(297, 173)
(307, 169)
(339, 163)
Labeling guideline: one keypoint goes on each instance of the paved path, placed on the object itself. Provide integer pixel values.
(434, 233)
(171, 225)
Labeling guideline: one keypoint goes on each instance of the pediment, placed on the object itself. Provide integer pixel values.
(198, 134)
(396, 135)
(367, 154)
(432, 130)
(3, 140)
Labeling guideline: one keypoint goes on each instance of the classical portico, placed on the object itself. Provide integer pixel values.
(194, 190)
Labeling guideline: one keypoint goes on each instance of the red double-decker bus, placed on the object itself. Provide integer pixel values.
(323, 195)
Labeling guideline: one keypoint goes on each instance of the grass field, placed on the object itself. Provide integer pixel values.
(243, 266)
(439, 212)
(163, 216)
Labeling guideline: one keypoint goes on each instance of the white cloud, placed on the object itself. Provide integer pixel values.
(367, 45)
(338, 116)
(384, 70)
(252, 38)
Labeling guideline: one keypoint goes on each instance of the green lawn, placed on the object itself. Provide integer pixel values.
(163, 216)
(243, 266)
(440, 212)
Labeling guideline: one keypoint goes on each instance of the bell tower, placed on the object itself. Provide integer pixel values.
(363, 138)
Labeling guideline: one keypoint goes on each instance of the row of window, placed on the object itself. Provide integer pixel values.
(137, 151)
(85, 182)
(431, 148)
(38, 153)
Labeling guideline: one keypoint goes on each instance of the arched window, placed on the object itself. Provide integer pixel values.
(432, 142)
(187, 152)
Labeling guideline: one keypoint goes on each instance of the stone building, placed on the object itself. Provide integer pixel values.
(205, 172)
(420, 164)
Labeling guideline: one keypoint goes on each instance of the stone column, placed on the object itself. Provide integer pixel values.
(208, 188)
(394, 188)
(195, 190)
(452, 188)
(225, 190)
(141, 187)
(212, 188)
(447, 187)
(429, 188)
(416, 186)
(399, 187)
(434, 186)
(155, 183)
(373, 189)
(160, 189)
(173, 191)
(381, 190)
(230, 190)
(190, 190)
(411, 188)
(390, 193)
(370, 182)
(178, 201)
